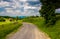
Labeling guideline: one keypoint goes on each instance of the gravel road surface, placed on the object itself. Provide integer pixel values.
(28, 31)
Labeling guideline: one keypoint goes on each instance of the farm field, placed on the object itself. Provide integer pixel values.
(8, 27)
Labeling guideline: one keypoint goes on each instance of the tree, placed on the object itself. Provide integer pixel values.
(55, 3)
(17, 18)
(48, 10)
(2, 19)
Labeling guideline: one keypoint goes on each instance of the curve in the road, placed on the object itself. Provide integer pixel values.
(28, 31)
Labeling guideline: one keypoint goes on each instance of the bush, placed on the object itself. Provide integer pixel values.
(58, 17)
(2, 19)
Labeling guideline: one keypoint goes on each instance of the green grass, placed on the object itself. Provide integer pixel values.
(8, 27)
(6, 22)
(52, 31)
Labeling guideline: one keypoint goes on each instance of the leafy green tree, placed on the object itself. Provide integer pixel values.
(48, 10)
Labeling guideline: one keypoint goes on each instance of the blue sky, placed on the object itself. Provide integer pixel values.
(20, 7)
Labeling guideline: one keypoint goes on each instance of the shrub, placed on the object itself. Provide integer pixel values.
(2, 19)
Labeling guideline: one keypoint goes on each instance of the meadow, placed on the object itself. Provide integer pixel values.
(7, 27)
(53, 30)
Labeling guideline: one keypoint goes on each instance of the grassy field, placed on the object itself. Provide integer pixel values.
(52, 31)
(6, 22)
(8, 27)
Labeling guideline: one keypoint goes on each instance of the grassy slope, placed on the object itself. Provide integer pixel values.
(53, 31)
(8, 27)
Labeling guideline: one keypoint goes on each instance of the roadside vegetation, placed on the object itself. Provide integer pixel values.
(8, 25)
(52, 21)
(52, 30)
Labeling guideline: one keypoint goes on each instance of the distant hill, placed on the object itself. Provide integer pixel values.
(21, 16)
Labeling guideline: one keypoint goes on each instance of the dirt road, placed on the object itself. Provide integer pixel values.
(28, 31)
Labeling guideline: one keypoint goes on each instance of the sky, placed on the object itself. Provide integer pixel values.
(20, 7)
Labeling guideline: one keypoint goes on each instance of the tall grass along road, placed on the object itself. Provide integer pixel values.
(28, 31)
(8, 27)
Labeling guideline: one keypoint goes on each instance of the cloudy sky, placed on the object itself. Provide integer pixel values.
(20, 7)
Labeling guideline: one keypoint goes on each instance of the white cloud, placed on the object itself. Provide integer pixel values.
(9, 10)
(16, 5)
(34, 0)
(29, 7)
(3, 4)
(23, 0)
